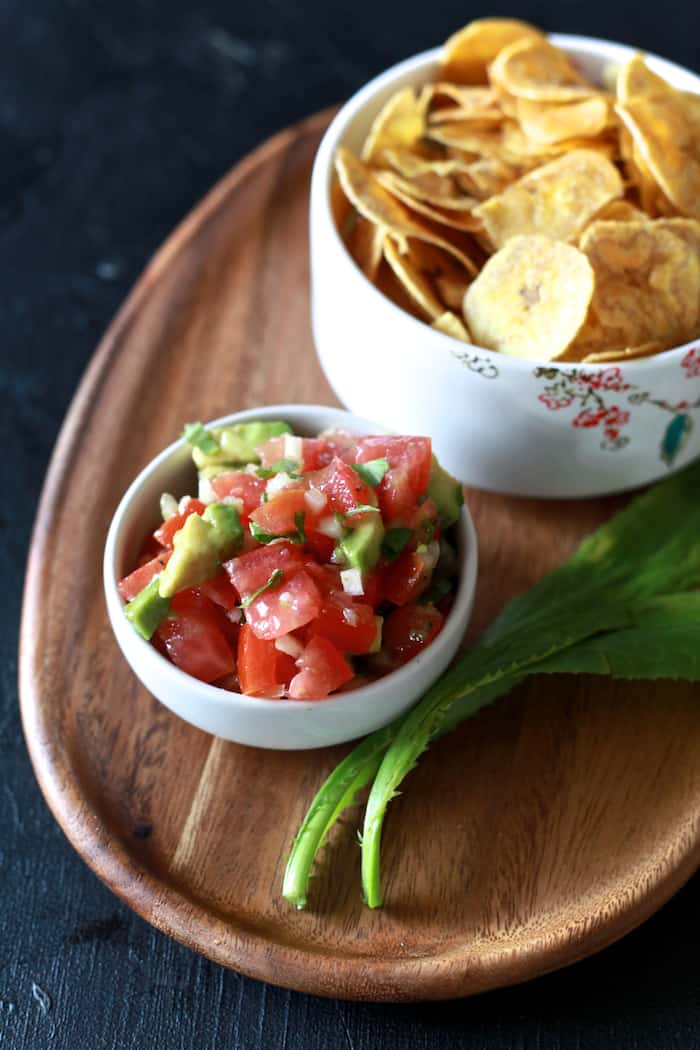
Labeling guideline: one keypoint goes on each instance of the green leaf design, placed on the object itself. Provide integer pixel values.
(675, 437)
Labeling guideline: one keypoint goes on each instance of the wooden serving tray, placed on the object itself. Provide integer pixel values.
(541, 831)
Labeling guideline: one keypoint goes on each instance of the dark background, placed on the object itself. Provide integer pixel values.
(114, 119)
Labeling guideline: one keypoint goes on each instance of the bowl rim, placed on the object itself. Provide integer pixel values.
(143, 653)
(322, 176)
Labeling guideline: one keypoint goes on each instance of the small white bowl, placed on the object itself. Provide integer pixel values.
(280, 724)
(497, 422)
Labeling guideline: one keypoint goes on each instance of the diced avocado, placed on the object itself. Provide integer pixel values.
(237, 443)
(362, 545)
(447, 494)
(148, 609)
(200, 546)
(215, 469)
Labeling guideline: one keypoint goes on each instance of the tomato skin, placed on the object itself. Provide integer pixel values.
(292, 604)
(349, 626)
(323, 668)
(409, 459)
(278, 514)
(262, 669)
(221, 591)
(249, 571)
(342, 486)
(406, 578)
(409, 629)
(240, 485)
(164, 535)
(194, 639)
(135, 582)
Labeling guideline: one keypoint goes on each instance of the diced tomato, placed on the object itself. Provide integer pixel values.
(423, 521)
(151, 549)
(277, 516)
(323, 668)
(195, 639)
(167, 530)
(284, 608)
(273, 450)
(249, 571)
(351, 627)
(407, 577)
(326, 577)
(373, 586)
(342, 486)
(407, 479)
(135, 582)
(409, 629)
(221, 591)
(318, 543)
(262, 669)
(240, 485)
(340, 443)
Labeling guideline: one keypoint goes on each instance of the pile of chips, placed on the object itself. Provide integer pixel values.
(516, 206)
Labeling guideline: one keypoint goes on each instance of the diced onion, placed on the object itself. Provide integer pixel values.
(350, 616)
(182, 505)
(293, 448)
(168, 506)
(330, 526)
(286, 643)
(278, 482)
(315, 500)
(234, 615)
(351, 580)
(206, 493)
(234, 501)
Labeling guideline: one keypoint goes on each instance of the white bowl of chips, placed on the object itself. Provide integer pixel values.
(581, 373)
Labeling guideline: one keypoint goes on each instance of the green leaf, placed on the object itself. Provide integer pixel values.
(274, 581)
(675, 437)
(394, 542)
(286, 466)
(199, 437)
(373, 471)
(599, 612)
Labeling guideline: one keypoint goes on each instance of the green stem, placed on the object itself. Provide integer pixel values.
(355, 771)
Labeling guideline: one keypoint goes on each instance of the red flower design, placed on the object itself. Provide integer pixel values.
(553, 402)
(588, 418)
(616, 416)
(607, 379)
(612, 417)
(691, 363)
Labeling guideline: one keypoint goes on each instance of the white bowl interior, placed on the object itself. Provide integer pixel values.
(282, 724)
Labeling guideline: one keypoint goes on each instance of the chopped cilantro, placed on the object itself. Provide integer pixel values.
(394, 542)
(373, 471)
(274, 581)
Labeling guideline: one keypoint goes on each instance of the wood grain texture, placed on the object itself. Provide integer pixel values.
(543, 830)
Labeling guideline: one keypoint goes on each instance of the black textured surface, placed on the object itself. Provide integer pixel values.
(114, 119)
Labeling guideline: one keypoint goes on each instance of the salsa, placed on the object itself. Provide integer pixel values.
(303, 566)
